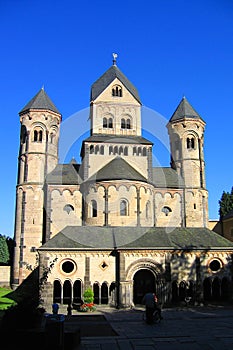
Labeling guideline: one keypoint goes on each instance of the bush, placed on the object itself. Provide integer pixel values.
(88, 296)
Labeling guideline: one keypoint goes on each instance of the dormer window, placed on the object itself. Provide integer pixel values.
(117, 91)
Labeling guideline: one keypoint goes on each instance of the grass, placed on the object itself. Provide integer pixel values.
(5, 302)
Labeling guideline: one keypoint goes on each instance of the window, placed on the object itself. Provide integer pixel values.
(123, 123)
(123, 207)
(37, 135)
(110, 123)
(166, 210)
(68, 208)
(190, 142)
(117, 91)
(93, 209)
(105, 124)
(128, 124)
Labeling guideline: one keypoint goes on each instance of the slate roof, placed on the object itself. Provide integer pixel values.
(112, 73)
(40, 101)
(184, 111)
(117, 169)
(96, 237)
(118, 139)
(166, 178)
(65, 174)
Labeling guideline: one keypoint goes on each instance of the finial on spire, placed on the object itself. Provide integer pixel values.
(42, 87)
(114, 55)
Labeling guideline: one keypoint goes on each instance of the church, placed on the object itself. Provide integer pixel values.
(115, 222)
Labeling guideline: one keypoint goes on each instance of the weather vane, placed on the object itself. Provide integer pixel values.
(114, 55)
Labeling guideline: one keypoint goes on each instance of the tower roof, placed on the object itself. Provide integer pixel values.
(184, 111)
(112, 73)
(40, 101)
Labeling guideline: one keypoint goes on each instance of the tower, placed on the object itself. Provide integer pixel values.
(115, 125)
(38, 155)
(186, 131)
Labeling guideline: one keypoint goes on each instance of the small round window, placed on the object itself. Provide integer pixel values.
(215, 265)
(68, 266)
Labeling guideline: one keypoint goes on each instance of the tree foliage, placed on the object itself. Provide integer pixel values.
(4, 251)
(225, 203)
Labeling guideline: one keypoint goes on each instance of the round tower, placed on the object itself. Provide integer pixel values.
(186, 131)
(38, 155)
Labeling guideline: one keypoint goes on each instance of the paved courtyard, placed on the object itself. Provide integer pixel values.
(204, 328)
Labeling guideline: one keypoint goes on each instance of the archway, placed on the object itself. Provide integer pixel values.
(144, 281)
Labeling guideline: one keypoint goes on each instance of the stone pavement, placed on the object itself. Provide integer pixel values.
(199, 328)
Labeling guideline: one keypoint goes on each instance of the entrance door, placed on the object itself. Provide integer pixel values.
(144, 281)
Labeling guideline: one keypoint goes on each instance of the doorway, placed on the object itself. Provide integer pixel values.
(144, 281)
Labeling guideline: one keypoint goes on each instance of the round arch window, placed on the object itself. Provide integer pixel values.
(215, 265)
(68, 266)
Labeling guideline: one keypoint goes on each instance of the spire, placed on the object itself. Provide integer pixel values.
(40, 101)
(184, 111)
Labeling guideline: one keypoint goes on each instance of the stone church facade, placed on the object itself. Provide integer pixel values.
(115, 222)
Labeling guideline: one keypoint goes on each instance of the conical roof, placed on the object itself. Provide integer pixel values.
(184, 111)
(112, 73)
(40, 101)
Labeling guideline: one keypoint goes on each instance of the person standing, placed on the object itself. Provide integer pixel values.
(55, 308)
(150, 300)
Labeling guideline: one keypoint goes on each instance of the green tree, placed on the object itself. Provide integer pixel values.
(4, 251)
(225, 203)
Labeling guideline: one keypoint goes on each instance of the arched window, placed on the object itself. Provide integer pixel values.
(123, 123)
(117, 91)
(91, 149)
(37, 135)
(110, 123)
(105, 124)
(166, 210)
(93, 209)
(102, 149)
(144, 152)
(190, 142)
(97, 149)
(126, 151)
(110, 150)
(128, 124)
(134, 151)
(124, 210)
(68, 208)
(120, 150)
(115, 150)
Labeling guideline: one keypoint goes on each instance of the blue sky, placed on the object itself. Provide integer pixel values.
(167, 49)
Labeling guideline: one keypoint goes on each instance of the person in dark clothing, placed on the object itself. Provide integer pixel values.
(55, 308)
(150, 300)
(69, 310)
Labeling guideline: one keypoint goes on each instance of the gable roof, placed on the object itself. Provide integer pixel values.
(184, 111)
(112, 73)
(157, 238)
(40, 101)
(117, 169)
